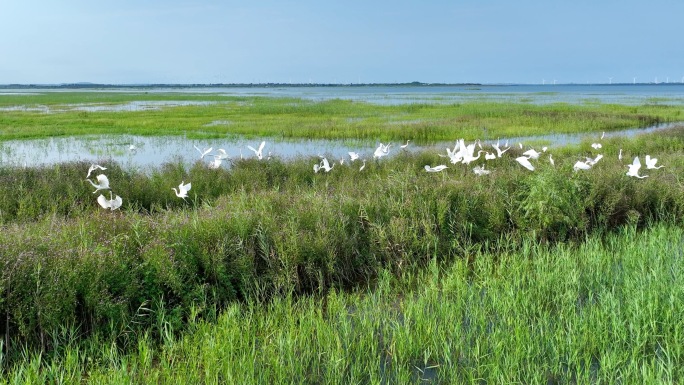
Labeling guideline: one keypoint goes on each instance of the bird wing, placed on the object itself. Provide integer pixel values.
(103, 180)
(185, 187)
(252, 148)
(261, 146)
(636, 163)
(103, 201)
(116, 203)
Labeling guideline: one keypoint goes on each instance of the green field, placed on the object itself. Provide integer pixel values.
(271, 273)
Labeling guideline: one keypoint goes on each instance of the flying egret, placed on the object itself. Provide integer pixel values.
(110, 203)
(651, 163)
(353, 156)
(405, 145)
(439, 168)
(480, 170)
(499, 151)
(182, 190)
(326, 166)
(258, 152)
(203, 152)
(94, 167)
(579, 165)
(381, 151)
(634, 169)
(102, 183)
(525, 162)
(531, 154)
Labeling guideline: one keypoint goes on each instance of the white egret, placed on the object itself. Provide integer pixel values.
(596, 146)
(544, 149)
(316, 167)
(525, 162)
(579, 165)
(182, 190)
(222, 154)
(551, 160)
(259, 152)
(651, 163)
(499, 151)
(405, 145)
(353, 156)
(203, 152)
(489, 156)
(94, 167)
(381, 151)
(634, 169)
(363, 165)
(480, 170)
(603, 134)
(531, 154)
(439, 168)
(216, 163)
(110, 203)
(102, 183)
(326, 166)
(620, 155)
(132, 148)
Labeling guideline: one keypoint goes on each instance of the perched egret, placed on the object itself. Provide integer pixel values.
(258, 152)
(544, 149)
(203, 152)
(182, 190)
(102, 183)
(551, 160)
(94, 167)
(480, 170)
(651, 163)
(363, 165)
(489, 156)
(110, 203)
(525, 162)
(316, 167)
(634, 169)
(620, 155)
(439, 168)
(353, 156)
(405, 145)
(579, 165)
(596, 146)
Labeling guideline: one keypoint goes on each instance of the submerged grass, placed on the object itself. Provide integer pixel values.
(57, 114)
(606, 310)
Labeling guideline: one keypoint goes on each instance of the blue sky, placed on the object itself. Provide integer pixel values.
(485, 41)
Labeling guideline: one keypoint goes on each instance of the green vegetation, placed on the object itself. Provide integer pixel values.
(270, 273)
(295, 118)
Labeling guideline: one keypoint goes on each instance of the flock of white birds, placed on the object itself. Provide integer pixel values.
(462, 153)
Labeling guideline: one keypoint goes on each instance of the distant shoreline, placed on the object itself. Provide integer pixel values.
(297, 85)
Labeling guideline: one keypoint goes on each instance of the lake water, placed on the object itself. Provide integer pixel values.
(152, 151)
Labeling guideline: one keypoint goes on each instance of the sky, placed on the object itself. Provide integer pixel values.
(352, 41)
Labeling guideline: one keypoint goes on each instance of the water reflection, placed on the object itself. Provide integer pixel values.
(153, 151)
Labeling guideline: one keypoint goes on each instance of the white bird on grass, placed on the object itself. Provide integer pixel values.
(596, 146)
(525, 162)
(579, 165)
(439, 168)
(651, 163)
(259, 152)
(110, 203)
(182, 190)
(480, 170)
(489, 156)
(551, 160)
(634, 169)
(216, 163)
(353, 156)
(363, 165)
(325, 166)
(203, 152)
(405, 145)
(94, 167)
(102, 183)
(620, 155)
(499, 151)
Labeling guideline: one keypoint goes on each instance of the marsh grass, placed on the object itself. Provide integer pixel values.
(332, 119)
(604, 310)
